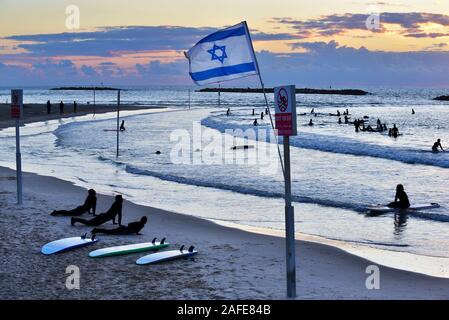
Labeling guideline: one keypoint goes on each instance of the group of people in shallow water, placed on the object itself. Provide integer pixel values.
(113, 214)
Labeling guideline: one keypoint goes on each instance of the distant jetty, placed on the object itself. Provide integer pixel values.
(347, 92)
(86, 88)
(442, 98)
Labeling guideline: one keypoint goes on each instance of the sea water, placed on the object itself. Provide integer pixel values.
(336, 172)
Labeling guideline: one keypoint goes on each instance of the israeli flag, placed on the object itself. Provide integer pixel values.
(224, 55)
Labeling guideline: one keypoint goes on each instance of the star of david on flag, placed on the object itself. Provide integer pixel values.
(224, 55)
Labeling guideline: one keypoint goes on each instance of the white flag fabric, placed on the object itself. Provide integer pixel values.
(224, 55)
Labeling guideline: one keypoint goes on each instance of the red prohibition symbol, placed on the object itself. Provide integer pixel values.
(282, 100)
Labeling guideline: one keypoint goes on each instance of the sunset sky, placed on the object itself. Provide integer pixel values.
(309, 43)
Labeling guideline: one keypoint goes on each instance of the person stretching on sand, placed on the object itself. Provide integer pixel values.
(401, 199)
(111, 214)
(131, 228)
(437, 145)
(122, 126)
(89, 206)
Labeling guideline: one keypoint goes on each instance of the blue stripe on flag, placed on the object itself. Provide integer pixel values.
(223, 71)
(220, 35)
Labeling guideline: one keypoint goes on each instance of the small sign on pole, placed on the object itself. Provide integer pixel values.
(285, 116)
(16, 113)
(285, 123)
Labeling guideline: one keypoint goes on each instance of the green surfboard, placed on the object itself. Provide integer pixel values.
(128, 249)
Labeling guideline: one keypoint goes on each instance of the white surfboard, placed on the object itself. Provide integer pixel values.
(67, 244)
(127, 249)
(166, 256)
(416, 207)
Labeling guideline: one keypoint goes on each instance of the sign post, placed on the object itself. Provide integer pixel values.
(16, 113)
(285, 123)
(118, 122)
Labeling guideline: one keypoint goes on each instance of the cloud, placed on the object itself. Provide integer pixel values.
(107, 42)
(411, 24)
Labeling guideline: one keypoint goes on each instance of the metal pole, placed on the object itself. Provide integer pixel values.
(118, 121)
(289, 224)
(189, 99)
(219, 95)
(18, 164)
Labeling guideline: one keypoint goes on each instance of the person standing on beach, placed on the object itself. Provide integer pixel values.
(74, 106)
(437, 145)
(48, 107)
(89, 206)
(401, 199)
(61, 107)
(111, 214)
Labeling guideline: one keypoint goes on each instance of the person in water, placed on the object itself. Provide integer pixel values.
(310, 122)
(111, 214)
(437, 145)
(122, 126)
(339, 120)
(228, 112)
(346, 120)
(401, 199)
(413, 111)
(131, 228)
(395, 131)
(261, 115)
(255, 122)
(89, 206)
(338, 113)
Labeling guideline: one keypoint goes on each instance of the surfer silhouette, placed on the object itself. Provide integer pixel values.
(89, 206)
(111, 214)
(395, 131)
(131, 228)
(437, 145)
(255, 122)
(401, 199)
(122, 126)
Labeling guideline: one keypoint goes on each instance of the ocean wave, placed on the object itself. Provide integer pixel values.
(341, 145)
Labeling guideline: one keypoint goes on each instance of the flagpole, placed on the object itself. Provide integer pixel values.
(265, 96)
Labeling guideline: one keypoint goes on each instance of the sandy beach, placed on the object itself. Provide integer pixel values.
(231, 264)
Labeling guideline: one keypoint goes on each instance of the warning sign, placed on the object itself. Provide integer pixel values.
(285, 107)
(16, 103)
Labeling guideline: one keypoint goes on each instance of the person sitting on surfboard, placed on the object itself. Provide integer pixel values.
(111, 214)
(89, 206)
(401, 199)
(437, 145)
(131, 228)
(122, 126)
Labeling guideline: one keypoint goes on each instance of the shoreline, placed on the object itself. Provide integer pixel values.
(36, 112)
(231, 264)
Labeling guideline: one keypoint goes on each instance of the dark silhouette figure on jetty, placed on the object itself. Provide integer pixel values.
(74, 106)
(131, 228)
(122, 126)
(61, 107)
(437, 145)
(48, 107)
(401, 199)
(89, 206)
(111, 214)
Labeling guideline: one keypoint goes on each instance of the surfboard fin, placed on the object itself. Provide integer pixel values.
(191, 248)
(163, 241)
(182, 248)
(154, 241)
